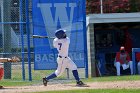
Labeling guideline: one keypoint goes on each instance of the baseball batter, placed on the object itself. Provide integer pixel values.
(61, 42)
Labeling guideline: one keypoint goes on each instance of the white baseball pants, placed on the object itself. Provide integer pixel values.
(118, 65)
(64, 63)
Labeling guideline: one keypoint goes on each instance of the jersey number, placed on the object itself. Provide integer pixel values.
(60, 45)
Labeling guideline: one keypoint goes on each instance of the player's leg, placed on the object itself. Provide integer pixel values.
(1, 87)
(131, 67)
(117, 65)
(1, 75)
(138, 66)
(72, 66)
(62, 65)
(47, 78)
(60, 69)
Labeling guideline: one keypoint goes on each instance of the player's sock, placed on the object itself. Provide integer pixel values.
(75, 74)
(51, 76)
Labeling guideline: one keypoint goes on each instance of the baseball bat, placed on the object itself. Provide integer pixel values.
(39, 36)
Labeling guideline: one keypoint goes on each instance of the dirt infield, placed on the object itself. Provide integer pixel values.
(54, 87)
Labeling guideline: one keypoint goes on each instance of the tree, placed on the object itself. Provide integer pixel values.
(112, 6)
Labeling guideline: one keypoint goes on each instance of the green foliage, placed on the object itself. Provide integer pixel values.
(134, 6)
(112, 6)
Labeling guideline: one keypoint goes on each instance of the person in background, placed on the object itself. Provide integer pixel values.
(3, 60)
(138, 61)
(123, 59)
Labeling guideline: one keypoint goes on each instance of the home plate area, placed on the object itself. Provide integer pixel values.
(54, 86)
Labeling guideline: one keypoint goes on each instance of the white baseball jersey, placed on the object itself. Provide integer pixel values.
(62, 46)
(63, 60)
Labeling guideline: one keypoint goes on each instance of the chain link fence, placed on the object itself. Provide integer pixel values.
(13, 36)
(14, 41)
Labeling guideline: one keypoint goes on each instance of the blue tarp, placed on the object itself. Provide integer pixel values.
(50, 15)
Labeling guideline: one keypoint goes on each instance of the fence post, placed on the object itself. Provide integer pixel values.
(22, 38)
(85, 38)
(7, 38)
(28, 39)
(134, 50)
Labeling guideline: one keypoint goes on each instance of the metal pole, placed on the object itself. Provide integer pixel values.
(85, 40)
(7, 37)
(67, 70)
(22, 38)
(101, 2)
(134, 50)
(28, 39)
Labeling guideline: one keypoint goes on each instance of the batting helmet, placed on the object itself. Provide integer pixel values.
(122, 48)
(60, 34)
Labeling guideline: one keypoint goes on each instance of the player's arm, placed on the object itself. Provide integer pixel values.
(118, 57)
(128, 57)
(68, 40)
(54, 43)
(13, 59)
(4, 59)
(137, 57)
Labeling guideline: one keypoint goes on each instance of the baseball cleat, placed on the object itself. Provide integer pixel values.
(80, 83)
(1, 87)
(45, 82)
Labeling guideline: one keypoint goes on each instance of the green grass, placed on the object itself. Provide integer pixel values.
(36, 74)
(113, 78)
(17, 83)
(96, 91)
